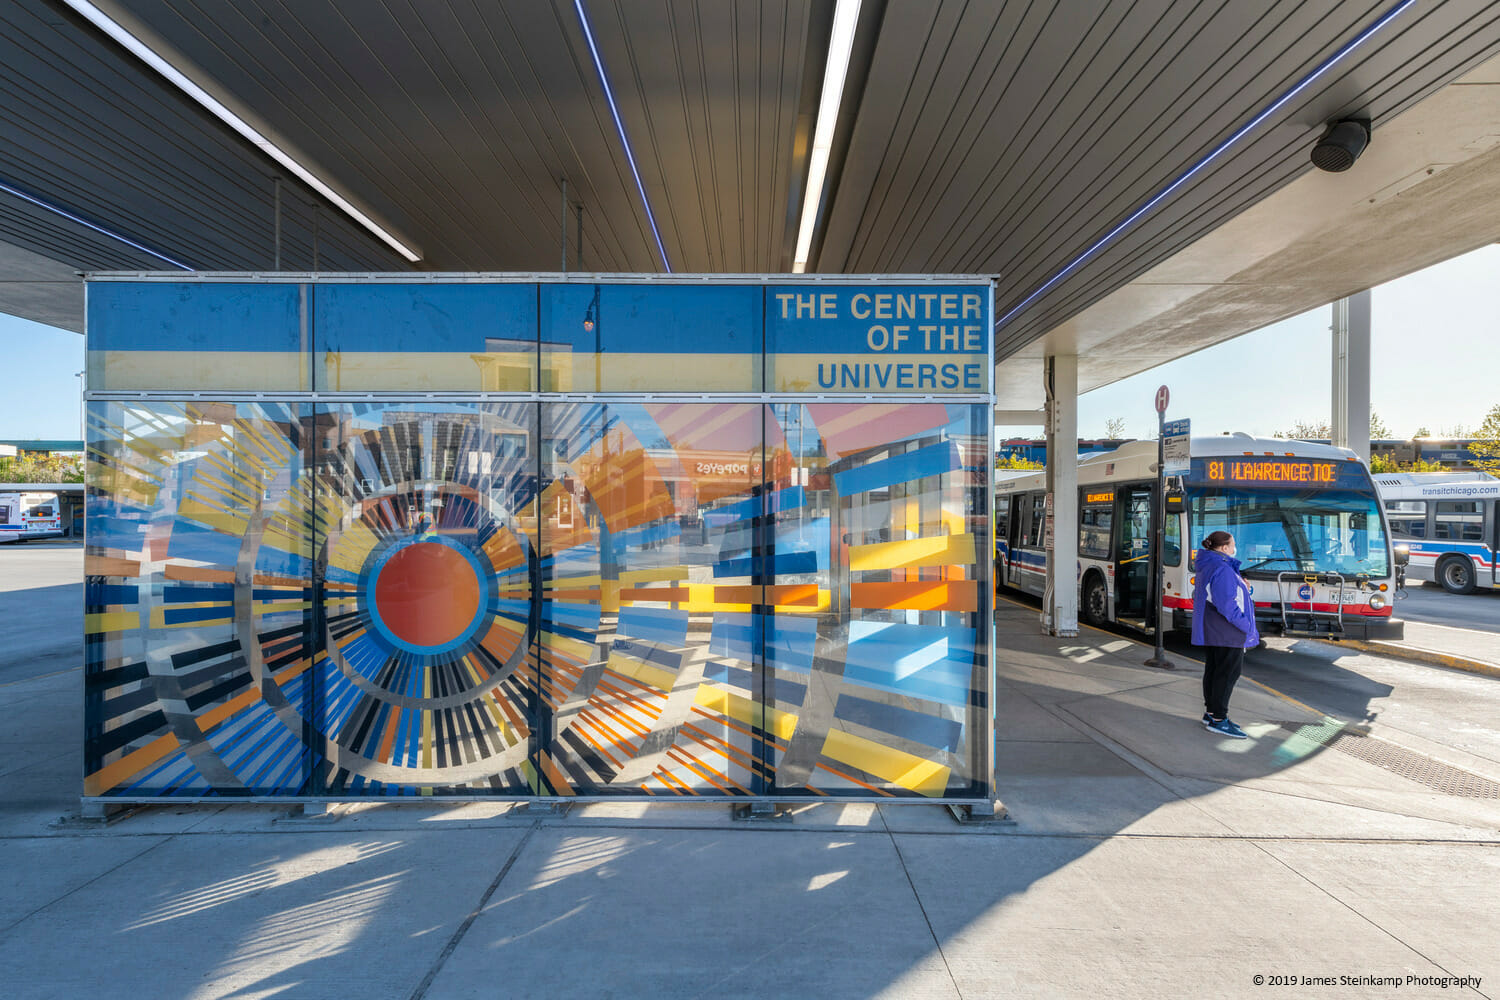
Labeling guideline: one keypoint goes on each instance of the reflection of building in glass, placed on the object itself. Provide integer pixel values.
(442, 593)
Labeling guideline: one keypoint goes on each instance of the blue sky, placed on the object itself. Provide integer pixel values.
(1435, 350)
(1434, 362)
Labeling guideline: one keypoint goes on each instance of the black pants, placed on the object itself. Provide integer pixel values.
(1221, 668)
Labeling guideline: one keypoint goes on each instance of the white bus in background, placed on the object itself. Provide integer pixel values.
(1307, 521)
(24, 516)
(1451, 523)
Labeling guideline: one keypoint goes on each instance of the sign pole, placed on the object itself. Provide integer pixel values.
(1159, 518)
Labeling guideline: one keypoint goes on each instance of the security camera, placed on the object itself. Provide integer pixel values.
(1341, 144)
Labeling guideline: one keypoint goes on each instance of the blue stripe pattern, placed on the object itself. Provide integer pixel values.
(926, 661)
(941, 734)
(934, 460)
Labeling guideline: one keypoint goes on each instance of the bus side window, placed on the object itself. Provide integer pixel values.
(1459, 520)
(1034, 525)
(1408, 517)
(1002, 519)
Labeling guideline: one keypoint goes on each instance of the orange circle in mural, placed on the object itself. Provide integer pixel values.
(427, 594)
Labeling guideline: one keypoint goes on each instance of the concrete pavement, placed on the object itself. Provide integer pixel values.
(1441, 646)
(1144, 858)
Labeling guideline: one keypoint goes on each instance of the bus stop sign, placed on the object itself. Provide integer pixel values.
(1162, 395)
(1176, 447)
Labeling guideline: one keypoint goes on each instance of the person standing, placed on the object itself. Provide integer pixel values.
(1224, 625)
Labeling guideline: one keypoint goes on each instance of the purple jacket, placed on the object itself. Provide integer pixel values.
(1223, 613)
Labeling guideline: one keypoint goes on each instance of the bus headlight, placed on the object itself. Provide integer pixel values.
(1377, 602)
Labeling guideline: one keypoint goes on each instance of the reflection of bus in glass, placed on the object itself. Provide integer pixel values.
(1306, 519)
(1451, 523)
(24, 516)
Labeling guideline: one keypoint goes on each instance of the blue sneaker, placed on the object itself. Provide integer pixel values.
(1226, 728)
(1208, 720)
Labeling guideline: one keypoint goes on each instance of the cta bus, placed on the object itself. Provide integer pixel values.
(24, 516)
(1308, 524)
(1451, 523)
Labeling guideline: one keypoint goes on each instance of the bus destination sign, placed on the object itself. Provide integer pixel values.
(1105, 497)
(1295, 472)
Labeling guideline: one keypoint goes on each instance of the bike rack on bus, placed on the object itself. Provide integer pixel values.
(1335, 617)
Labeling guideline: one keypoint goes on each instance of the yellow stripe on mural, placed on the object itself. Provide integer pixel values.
(896, 766)
(704, 598)
(715, 699)
(279, 607)
(939, 550)
(355, 544)
(111, 621)
(658, 678)
(572, 582)
(583, 652)
(253, 371)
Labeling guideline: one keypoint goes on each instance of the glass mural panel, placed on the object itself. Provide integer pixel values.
(649, 563)
(325, 597)
(878, 684)
(426, 526)
(198, 657)
(474, 336)
(650, 338)
(196, 336)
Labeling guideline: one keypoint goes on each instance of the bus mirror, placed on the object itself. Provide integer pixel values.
(1402, 554)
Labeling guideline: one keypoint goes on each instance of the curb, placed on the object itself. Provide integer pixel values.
(1416, 654)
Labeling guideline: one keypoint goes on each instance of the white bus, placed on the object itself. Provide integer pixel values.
(1451, 523)
(1307, 521)
(24, 516)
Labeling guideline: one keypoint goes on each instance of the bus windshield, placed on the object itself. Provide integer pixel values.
(1313, 531)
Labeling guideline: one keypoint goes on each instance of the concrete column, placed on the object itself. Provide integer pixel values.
(1060, 601)
(1351, 373)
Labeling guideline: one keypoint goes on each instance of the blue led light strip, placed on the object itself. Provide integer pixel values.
(1271, 109)
(609, 96)
(56, 210)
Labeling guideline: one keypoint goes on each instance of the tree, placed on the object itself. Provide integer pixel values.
(1303, 430)
(1378, 430)
(1385, 463)
(1016, 462)
(42, 469)
(1114, 428)
(1422, 432)
(1486, 445)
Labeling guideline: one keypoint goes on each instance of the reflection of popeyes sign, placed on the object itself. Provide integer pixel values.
(727, 468)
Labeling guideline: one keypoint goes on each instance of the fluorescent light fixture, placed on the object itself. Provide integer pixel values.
(1244, 130)
(58, 210)
(588, 36)
(840, 42)
(142, 51)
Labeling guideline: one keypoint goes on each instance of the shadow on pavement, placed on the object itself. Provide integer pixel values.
(1143, 851)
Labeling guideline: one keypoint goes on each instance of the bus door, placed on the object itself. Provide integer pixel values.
(1133, 576)
(1494, 533)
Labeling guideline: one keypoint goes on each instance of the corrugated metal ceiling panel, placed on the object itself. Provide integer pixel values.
(994, 138)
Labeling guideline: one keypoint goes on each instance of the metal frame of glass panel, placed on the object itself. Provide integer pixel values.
(406, 553)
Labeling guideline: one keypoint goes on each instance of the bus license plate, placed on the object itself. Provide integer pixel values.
(1349, 597)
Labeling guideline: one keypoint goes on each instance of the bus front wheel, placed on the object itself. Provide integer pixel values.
(1094, 607)
(1457, 575)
